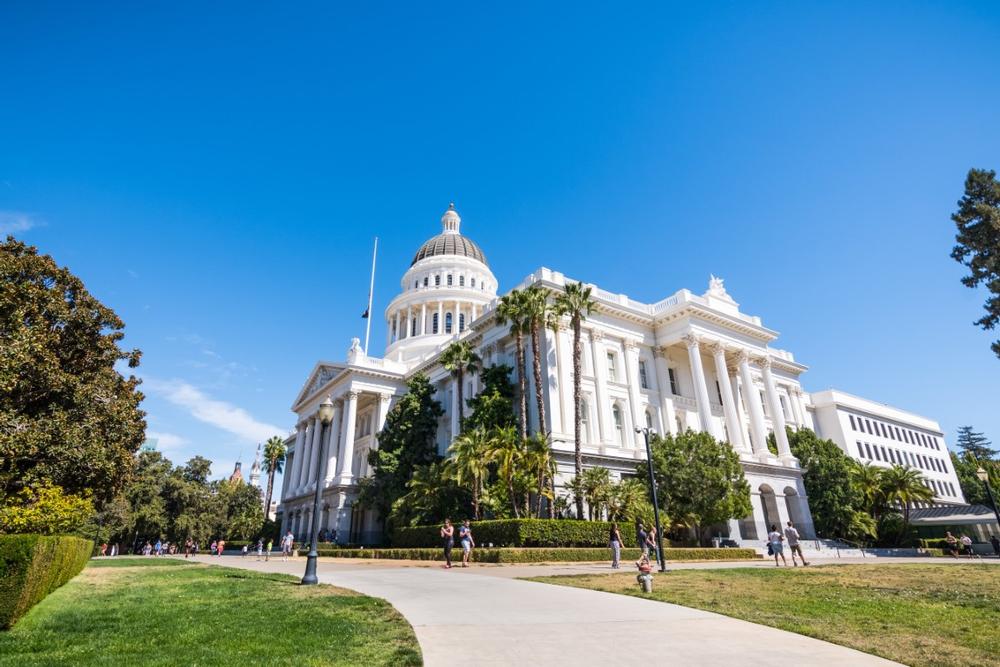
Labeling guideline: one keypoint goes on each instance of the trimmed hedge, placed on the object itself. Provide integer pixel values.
(32, 566)
(522, 533)
(538, 555)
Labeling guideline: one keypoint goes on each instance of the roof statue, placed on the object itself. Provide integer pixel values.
(716, 286)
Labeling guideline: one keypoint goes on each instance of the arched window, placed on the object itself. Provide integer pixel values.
(434, 324)
(616, 416)
(461, 322)
(461, 281)
(394, 330)
(413, 327)
(449, 280)
(437, 280)
(447, 323)
(425, 281)
(472, 283)
(584, 420)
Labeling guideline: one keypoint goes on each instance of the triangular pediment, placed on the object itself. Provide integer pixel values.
(322, 373)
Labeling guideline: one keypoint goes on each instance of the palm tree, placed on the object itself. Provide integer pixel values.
(274, 461)
(867, 480)
(540, 463)
(511, 310)
(470, 464)
(596, 483)
(629, 501)
(575, 303)
(536, 311)
(458, 359)
(905, 485)
(505, 451)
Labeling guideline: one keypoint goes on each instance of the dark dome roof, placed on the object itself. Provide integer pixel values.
(449, 243)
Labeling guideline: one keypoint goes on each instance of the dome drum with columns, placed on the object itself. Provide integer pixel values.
(687, 361)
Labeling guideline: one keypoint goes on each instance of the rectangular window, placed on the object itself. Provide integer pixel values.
(472, 282)
(861, 452)
(461, 281)
(612, 373)
(781, 399)
(885, 457)
(643, 382)
(898, 436)
(718, 392)
(763, 403)
(853, 425)
(437, 280)
(868, 426)
(425, 281)
(869, 450)
(449, 280)
(673, 382)
(875, 448)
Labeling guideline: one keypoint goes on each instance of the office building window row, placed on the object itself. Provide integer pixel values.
(899, 457)
(875, 427)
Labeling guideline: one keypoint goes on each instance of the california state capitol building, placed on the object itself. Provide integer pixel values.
(689, 361)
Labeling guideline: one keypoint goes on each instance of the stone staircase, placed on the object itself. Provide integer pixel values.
(826, 549)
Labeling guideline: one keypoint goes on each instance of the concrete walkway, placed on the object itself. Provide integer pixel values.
(479, 616)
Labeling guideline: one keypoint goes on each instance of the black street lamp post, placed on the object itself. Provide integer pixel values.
(656, 505)
(984, 477)
(325, 417)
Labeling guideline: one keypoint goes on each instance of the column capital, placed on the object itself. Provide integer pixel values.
(351, 395)
(596, 335)
(630, 345)
(764, 362)
(717, 348)
(743, 356)
(691, 340)
(385, 397)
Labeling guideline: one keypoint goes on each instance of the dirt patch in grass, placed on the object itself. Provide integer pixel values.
(914, 614)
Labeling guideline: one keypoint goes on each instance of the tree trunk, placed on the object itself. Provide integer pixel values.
(460, 379)
(513, 497)
(552, 488)
(270, 489)
(541, 492)
(475, 499)
(521, 385)
(577, 400)
(536, 363)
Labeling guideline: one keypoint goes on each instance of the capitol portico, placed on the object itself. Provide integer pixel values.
(688, 361)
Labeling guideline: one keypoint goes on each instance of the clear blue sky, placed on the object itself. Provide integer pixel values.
(216, 176)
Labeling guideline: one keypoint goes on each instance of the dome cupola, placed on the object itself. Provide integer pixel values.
(450, 241)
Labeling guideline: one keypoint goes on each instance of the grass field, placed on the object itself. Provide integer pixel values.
(914, 614)
(167, 612)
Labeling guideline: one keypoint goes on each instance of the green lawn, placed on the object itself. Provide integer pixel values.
(167, 612)
(914, 614)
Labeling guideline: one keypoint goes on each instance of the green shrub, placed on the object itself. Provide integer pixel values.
(522, 533)
(538, 554)
(32, 566)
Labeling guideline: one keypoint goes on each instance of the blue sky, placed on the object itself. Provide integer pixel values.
(217, 175)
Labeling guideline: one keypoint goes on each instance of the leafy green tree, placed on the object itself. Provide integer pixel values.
(458, 359)
(977, 242)
(507, 452)
(512, 310)
(145, 498)
(67, 416)
(597, 487)
(629, 502)
(46, 509)
(902, 486)
(242, 512)
(576, 304)
(470, 464)
(431, 496)
(975, 444)
(493, 406)
(406, 441)
(536, 312)
(827, 478)
(866, 480)
(274, 461)
(699, 479)
(540, 464)
(966, 467)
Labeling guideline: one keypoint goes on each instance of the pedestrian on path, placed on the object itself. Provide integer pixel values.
(260, 547)
(793, 544)
(642, 539)
(775, 547)
(245, 549)
(652, 546)
(448, 541)
(221, 545)
(286, 545)
(188, 546)
(211, 548)
(267, 554)
(465, 536)
(104, 549)
(967, 546)
(616, 547)
(952, 543)
(159, 548)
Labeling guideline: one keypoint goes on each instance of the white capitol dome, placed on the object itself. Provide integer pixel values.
(445, 289)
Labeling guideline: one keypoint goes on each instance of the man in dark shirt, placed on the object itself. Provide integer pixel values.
(640, 538)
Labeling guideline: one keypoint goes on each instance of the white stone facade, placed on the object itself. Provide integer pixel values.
(687, 361)
(882, 435)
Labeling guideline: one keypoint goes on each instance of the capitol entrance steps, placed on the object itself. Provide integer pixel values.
(820, 548)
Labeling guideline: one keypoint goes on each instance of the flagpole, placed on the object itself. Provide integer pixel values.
(371, 290)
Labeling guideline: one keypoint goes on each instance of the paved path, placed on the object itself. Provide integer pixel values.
(482, 617)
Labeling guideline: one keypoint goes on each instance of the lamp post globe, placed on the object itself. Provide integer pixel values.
(982, 474)
(325, 414)
(656, 505)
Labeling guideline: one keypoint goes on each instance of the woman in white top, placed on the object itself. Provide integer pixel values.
(774, 539)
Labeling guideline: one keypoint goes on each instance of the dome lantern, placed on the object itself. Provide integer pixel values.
(450, 221)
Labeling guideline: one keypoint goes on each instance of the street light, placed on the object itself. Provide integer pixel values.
(984, 477)
(656, 505)
(325, 417)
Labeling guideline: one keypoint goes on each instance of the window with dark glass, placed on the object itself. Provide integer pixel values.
(673, 382)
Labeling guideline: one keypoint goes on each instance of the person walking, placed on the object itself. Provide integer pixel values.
(642, 538)
(465, 537)
(792, 536)
(211, 548)
(104, 549)
(114, 549)
(260, 547)
(243, 554)
(159, 548)
(952, 543)
(267, 554)
(286, 545)
(188, 545)
(448, 541)
(652, 546)
(221, 545)
(775, 546)
(967, 546)
(615, 538)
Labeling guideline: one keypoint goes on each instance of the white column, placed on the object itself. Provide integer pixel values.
(553, 379)
(475, 312)
(423, 319)
(314, 451)
(345, 459)
(305, 456)
(388, 331)
(632, 377)
(440, 317)
(700, 388)
(800, 410)
(777, 416)
(758, 431)
(601, 385)
(382, 411)
(728, 409)
(454, 318)
(397, 327)
(454, 408)
(667, 414)
(409, 322)
(741, 415)
(292, 483)
(333, 441)
(564, 350)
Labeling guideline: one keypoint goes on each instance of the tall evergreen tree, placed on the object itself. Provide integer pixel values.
(975, 444)
(977, 242)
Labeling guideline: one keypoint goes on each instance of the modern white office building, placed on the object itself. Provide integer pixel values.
(690, 360)
(884, 436)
